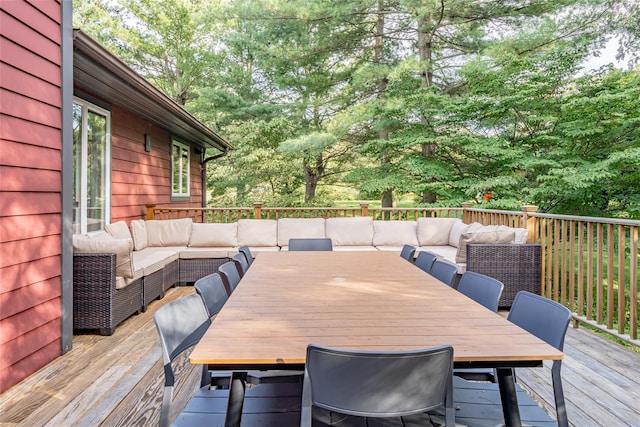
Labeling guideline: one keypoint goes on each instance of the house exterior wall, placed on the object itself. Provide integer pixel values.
(30, 187)
(139, 177)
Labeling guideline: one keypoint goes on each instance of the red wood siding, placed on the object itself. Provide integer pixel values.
(139, 177)
(30, 167)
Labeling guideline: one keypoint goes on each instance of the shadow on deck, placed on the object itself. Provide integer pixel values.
(117, 381)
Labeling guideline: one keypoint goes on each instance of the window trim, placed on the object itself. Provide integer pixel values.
(86, 108)
(180, 196)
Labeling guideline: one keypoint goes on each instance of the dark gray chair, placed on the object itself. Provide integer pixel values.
(310, 244)
(424, 261)
(482, 289)
(230, 276)
(180, 324)
(247, 254)
(444, 271)
(407, 252)
(548, 320)
(241, 263)
(213, 292)
(377, 384)
(486, 291)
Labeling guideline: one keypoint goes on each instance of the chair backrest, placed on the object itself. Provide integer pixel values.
(230, 275)
(247, 254)
(424, 261)
(180, 324)
(444, 271)
(407, 252)
(212, 291)
(310, 244)
(378, 384)
(482, 289)
(241, 263)
(544, 318)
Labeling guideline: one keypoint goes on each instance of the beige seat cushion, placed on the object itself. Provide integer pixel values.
(395, 233)
(299, 228)
(434, 231)
(257, 232)
(213, 235)
(213, 252)
(354, 231)
(482, 237)
(101, 245)
(169, 232)
(447, 253)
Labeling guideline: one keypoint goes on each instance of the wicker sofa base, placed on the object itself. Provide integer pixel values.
(152, 288)
(97, 304)
(192, 269)
(517, 266)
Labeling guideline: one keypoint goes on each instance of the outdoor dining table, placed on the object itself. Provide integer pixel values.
(359, 300)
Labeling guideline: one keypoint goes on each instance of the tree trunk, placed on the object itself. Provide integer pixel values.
(312, 175)
(383, 134)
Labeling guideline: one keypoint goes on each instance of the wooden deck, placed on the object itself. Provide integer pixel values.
(117, 381)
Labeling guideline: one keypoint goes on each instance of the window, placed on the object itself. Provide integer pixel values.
(91, 171)
(180, 160)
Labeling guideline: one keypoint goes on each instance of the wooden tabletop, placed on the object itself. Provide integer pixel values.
(355, 300)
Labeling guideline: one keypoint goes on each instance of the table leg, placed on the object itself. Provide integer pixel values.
(509, 397)
(236, 399)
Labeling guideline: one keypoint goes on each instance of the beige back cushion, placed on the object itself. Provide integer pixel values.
(168, 232)
(121, 247)
(521, 233)
(460, 227)
(354, 231)
(299, 228)
(434, 231)
(214, 235)
(139, 234)
(258, 232)
(482, 237)
(395, 233)
(119, 230)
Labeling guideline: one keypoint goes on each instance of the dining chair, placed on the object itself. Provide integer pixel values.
(230, 275)
(444, 271)
(486, 291)
(241, 263)
(406, 382)
(424, 261)
(213, 292)
(310, 244)
(548, 320)
(482, 289)
(180, 324)
(407, 252)
(247, 254)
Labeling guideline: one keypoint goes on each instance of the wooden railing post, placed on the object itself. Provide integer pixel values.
(257, 210)
(529, 222)
(364, 209)
(466, 215)
(150, 208)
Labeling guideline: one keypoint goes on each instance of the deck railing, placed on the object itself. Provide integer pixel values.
(588, 264)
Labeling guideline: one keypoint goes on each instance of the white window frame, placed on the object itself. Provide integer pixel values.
(177, 163)
(86, 108)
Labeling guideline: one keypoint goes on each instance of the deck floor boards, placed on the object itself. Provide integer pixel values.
(117, 381)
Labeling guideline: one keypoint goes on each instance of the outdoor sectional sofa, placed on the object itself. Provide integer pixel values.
(118, 272)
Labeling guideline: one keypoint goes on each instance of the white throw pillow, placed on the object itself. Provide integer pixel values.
(119, 230)
(460, 227)
(299, 228)
(139, 234)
